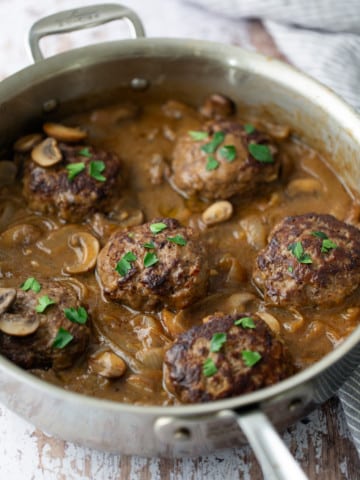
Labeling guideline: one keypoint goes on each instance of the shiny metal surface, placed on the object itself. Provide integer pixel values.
(180, 68)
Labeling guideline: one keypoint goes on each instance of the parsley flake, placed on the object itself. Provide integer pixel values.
(31, 284)
(209, 367)
(212, 163)
(228, 152)
(63, 338)
(150, 259)
(217, 341)
(76, 315)
(245, 322)
(74, 169)
(298, 251)
(85, 152)
(178, 239)
(250, 358)
(217, 139)
(149, 245)
(327, 245)
(197, 135)
(158, 227)
(95, 170)
(290, 268)
(43, 303)
(124, 264)
(321, 235)
(261, 153)
(249, 129)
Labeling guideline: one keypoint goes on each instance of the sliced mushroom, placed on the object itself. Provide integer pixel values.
(304, 186)
(217, 106)
(87, 248)
(19, 325)
(27, 142)
(46, 153)
(107, 364)
(217, 212)
(7, 296)
(64, 133)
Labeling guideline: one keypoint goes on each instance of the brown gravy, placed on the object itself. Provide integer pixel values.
(144, 143)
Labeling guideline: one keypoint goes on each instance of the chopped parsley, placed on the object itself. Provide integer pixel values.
(228, 152)
(249, 129)
(149, 245)
(178, 239)
(216, 140)
(297, 250)
(197, 135)
(74, 169)
(63, 338)
(124, 265)
(158, 227)
(209, 367)
(261, 153)
(43, 303)
(250, 358)
(245, 322)
(217, 341)
(95, 170)
(31, 284)
(85, 152)
(212, 163)
(326, 244)
(150, 259)
(321, 235)
(290, 269)
(76, 315)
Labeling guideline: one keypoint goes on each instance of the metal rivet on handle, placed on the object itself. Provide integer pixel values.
(139, 83)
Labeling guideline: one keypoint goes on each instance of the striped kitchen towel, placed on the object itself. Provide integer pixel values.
(322, 38)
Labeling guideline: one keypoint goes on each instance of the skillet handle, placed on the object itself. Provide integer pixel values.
(78, 19)
(275, 460)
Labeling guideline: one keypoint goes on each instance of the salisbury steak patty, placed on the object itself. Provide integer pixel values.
(156, 264)
(250, 357)
(50, 190)
(310, 260)
(221, 165)
(36, 350)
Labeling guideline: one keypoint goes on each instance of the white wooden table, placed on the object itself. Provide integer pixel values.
(321, 443)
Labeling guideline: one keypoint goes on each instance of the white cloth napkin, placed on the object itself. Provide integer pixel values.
(322, 38)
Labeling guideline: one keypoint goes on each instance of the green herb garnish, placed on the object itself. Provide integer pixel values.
(217, 139)
(74, 169)
(76, 315)
(212, 163)
(250, 358)
(290, 269)
(245, 322)
(85, 152)
(178, 239)
(327, 245)
(31, 284)
(249, 129)
(321, 235)
(43, 303)
(149, 245)
(63, 338)
(150, 259)
(298, 251)
(209, 367)
(197, 135)
(228, 152)
(261, 153)
(158, 227)
(124, 265)
(217, 341)
(95, 170)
